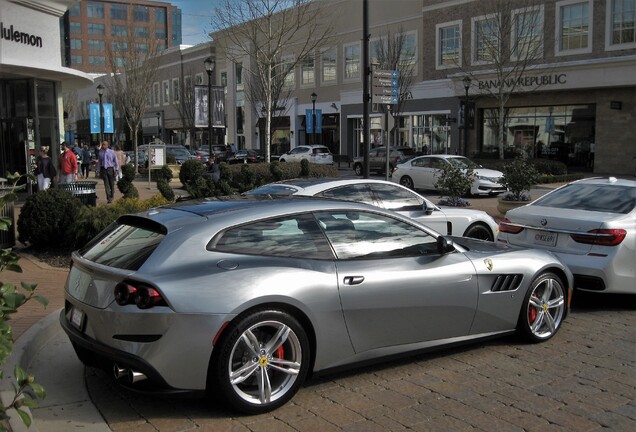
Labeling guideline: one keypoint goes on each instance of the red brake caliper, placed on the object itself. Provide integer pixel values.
(532, 314)
(280, 352)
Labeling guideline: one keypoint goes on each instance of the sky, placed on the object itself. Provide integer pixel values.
(196, 18)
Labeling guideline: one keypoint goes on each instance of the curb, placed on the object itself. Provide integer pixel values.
(24, 350)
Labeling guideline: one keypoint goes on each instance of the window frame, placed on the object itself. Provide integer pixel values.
(358, 76)
(323, 65)
(517, 12)
(558, 30)
(156, 94)
(95, 10)
(305, 68)
(609, 46)
(475, 21)
(176, 94)
(165, 92)
(438, 44)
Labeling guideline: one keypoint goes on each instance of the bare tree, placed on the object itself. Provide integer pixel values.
(185, 104)
(133, 61)
(270, 38)
(508, 41)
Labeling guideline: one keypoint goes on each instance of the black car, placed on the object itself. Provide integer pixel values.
(245, 156)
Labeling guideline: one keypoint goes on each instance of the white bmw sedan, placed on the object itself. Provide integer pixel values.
(445, 220)
(590, 225)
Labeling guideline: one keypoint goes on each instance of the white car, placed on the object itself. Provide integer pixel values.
(422, 173)
(590, 225)
(445, 220)
(318, 154)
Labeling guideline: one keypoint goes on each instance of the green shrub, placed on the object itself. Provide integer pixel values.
(519, 175)
(304, 168)
(275, 171)
(125, 184)
(161, 173)
(453, 183)
(165, 190)
(47, 219)
(191, 170)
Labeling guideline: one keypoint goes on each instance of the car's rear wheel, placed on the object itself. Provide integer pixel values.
(282, 160)
(543, 308)
(357, 168)
(407, 181)
(261, 361)
(479, 231)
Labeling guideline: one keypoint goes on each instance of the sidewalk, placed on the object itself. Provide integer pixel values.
(42, 347)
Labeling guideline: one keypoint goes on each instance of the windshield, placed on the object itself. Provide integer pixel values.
(591, 197)
(462, 162)
(272, 190)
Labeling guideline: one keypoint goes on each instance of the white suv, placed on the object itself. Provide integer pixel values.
(318, 154)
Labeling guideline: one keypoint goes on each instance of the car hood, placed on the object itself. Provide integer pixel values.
(485, 172)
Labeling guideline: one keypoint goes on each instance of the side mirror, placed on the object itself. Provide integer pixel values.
(444, 245)
(427, 208)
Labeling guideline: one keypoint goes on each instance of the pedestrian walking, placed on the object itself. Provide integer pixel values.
(108, 169)
(121, 160)
(86, 161)
(44, 169)
(68, 167)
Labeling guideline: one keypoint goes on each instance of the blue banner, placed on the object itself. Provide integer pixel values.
(108, 118)
(309, 121)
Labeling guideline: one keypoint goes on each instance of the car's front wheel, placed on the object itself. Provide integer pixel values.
(261, 361)
(407, 181)
(543, 308)
(479, 231)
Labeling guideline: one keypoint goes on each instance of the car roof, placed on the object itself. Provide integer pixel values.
(310, 186)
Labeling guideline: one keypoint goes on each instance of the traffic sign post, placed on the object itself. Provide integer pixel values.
(386, 89)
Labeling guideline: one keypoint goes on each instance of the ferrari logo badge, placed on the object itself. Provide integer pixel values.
(488, 263)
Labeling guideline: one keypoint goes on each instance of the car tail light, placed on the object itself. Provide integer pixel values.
(505, 226)
(601, 237)
(143, 296)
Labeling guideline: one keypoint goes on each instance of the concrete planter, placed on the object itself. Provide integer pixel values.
(504, 205)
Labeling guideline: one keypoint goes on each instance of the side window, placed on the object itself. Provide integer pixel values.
(295, 236)
(362, 235)
(357, 193)
(396, 198)
(420, 162)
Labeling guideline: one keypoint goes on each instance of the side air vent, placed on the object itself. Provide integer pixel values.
(506, 283)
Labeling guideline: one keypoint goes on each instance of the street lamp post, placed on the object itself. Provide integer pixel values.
(466, 81)
(209, 68)
(314, 96)
(100, 93)
(159, 126)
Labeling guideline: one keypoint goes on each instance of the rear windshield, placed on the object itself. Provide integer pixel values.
(272, 190)
(320, 150)
(592, 197)
(123, 246)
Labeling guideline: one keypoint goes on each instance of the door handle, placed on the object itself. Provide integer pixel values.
(353, 280)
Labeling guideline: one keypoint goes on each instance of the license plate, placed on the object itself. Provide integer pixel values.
(77, 318)
(545, 238)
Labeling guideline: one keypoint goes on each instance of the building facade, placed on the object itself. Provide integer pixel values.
(93, 28)
(575, 101)
(32, 80)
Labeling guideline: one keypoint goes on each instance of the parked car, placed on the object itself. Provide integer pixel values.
(245, 156)
(590, 225)
(218, 150)
(179, 152)
(244, 297)
(448, 220)
(377, 159)
(318, 154)
(422, 173)
(202, 155)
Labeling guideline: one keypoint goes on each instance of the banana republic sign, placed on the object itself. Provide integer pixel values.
(10, 34)
(525, 81)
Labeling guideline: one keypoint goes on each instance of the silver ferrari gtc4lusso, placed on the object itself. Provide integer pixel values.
(244, 297)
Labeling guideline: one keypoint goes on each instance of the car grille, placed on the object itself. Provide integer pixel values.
(506, 283)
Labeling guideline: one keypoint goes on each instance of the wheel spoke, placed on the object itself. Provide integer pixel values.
(243, 373)
(288, 367)
(547, 293)
(550, 320)
(251, 342)
(557, 302)
(264, 386)
(536, 325)
(535, 302)
(279, 338)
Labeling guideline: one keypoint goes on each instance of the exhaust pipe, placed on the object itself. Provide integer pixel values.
(119, 372)
(134, 376)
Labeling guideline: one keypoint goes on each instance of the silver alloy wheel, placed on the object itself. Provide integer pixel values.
(407, 182)
(545, 307)
(265, 362)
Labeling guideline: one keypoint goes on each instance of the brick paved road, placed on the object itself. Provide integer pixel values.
(584, 379)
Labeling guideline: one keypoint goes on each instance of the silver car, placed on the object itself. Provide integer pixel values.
(422, 173)
(590, 225)
(243, 298)
(446, 220)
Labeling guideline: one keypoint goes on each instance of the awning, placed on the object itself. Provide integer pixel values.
(71, 79)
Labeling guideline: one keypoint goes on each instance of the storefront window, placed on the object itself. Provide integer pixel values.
(431, 133)
(564, 133)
